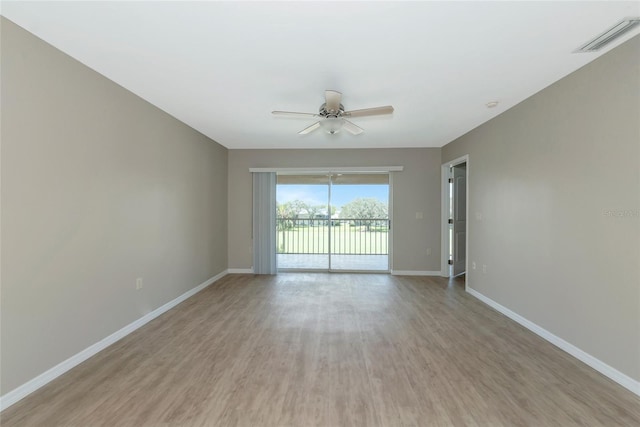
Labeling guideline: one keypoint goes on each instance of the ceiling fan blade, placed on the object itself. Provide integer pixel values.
(311, 128)
(351, 128)
(332, 99)
(293, 114)
(376, 111)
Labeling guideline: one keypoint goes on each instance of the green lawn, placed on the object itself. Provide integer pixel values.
(344, 240)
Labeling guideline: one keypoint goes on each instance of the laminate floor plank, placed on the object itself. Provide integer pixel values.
(319, 349)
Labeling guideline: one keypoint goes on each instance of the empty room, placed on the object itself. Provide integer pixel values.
(319, 213)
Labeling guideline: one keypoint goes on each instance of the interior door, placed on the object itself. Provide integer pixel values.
(459, 218)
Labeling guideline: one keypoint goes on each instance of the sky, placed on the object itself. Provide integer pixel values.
(340, 194)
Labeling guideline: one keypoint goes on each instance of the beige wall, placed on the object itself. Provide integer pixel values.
(545, 176)
(416, 189)
(98, 188)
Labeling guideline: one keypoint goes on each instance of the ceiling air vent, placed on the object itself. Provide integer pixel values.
(613, 33)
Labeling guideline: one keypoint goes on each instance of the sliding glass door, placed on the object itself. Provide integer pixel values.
(360, 228)
(333, 221)
(302, 222)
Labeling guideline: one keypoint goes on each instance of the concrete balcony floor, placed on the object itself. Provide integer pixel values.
(338, 262)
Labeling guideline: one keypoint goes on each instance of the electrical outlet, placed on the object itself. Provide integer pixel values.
(484, 268)
(428, 251)
(139, 283)
(473, 265)
(419, 215)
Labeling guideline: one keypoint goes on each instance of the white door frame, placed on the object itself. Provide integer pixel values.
(444, 251)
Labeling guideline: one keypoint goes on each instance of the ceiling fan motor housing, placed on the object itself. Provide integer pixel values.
(323, 112)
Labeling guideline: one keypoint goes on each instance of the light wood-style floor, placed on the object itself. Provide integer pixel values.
(330, 350)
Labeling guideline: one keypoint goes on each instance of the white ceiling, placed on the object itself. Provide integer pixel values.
(222, 67)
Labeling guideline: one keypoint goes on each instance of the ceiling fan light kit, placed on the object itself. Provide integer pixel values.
(332, 124)
(332, 115)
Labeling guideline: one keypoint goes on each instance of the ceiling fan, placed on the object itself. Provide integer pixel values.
(333, 117)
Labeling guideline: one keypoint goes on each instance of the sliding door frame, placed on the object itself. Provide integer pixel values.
(345, 170)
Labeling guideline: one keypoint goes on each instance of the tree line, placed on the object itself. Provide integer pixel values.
(363, 211)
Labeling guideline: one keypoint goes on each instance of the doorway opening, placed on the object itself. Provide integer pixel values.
(454, 217)
(333, 221)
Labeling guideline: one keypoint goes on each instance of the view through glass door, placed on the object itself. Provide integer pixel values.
(337, 222)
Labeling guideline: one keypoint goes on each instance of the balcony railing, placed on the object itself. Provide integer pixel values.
(344, 236)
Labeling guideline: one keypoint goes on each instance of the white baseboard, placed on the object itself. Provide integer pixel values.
(30, 386)
(414, 273)
(617, 376)
(240, 271)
